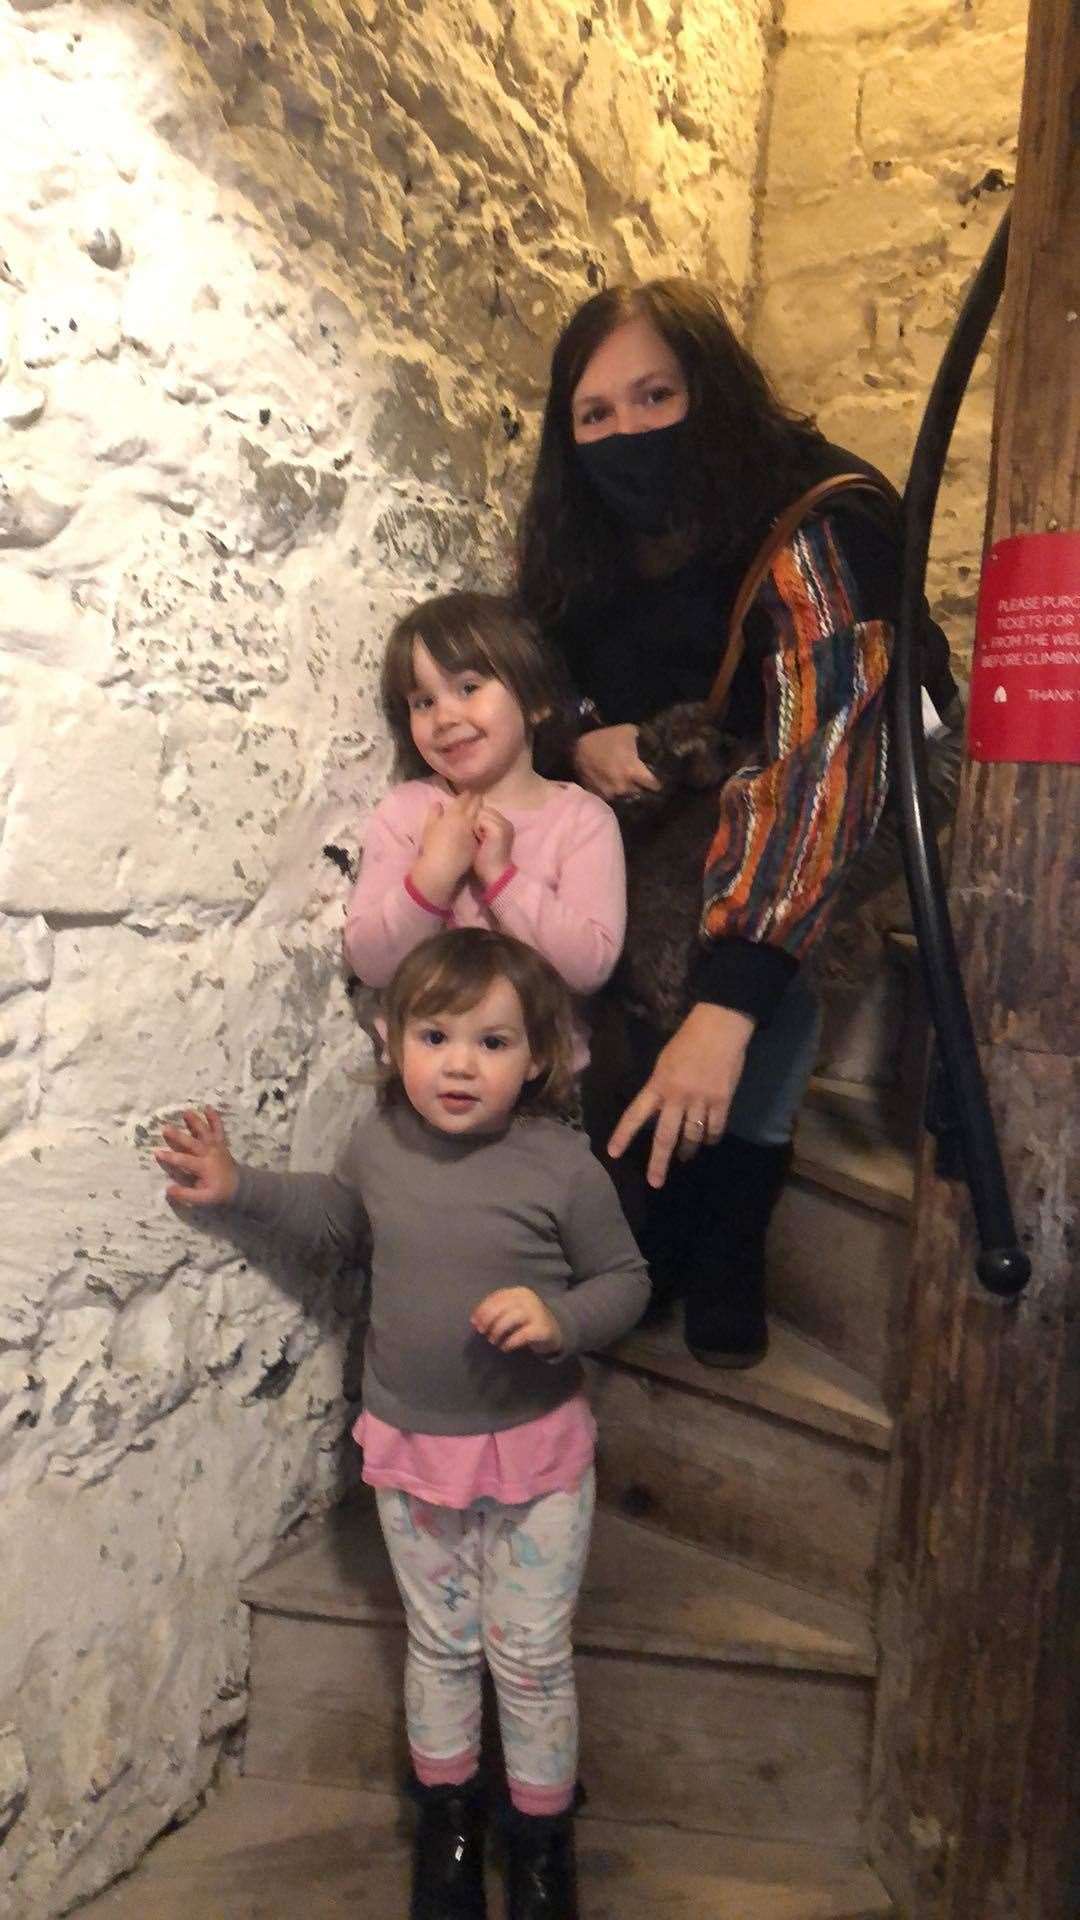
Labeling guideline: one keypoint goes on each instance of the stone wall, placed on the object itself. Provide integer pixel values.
(891, 149)
(277, 288)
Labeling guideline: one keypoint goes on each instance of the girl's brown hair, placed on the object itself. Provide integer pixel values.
(746, 454)
(480, 633)
(451, 972)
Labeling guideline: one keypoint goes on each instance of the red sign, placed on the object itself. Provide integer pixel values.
(1025, 681)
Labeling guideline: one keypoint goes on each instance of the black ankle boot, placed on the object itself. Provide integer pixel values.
(739, 1185)
(541, 1867)
(448, 1855)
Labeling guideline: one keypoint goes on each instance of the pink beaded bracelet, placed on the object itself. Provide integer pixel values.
(490, 894)
(414, 893)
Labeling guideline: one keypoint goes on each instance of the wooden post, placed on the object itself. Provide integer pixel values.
(976, 1790)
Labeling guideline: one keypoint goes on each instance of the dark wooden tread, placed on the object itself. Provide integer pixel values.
(797, 1381)
(882, 1110)
(270, 1850)
(645, 1595)
(845, 1155)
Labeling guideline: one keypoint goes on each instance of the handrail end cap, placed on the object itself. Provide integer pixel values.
(1004, 1270)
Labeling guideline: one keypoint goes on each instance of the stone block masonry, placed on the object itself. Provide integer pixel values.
(277, 292)
(891, 152)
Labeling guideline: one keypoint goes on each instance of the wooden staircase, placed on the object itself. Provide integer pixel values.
(726, 1655)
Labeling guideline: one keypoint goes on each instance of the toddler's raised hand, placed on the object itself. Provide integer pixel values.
(198, 1154)
(447, 848)
(514, 1317)
(495, 837)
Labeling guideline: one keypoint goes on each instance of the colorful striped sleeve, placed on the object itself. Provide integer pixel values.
(791, 821)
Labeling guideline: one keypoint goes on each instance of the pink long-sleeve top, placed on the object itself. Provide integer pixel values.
(564, 892)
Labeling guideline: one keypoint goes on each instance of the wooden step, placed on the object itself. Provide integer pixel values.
(843, 1154)
(268, 1850)
(643, 1594)
(781, 1467)
(873, 1018)
(797, 1381)
(712, 1698)
(840, 1242)
(882, 1111)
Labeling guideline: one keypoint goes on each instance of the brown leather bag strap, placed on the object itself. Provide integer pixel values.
(780, 533)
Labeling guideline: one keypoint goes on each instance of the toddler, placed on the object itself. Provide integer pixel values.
(500, 1254)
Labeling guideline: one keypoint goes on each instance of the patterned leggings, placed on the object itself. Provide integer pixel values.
(497, 1582)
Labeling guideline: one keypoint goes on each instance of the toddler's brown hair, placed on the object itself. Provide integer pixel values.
(451, 972)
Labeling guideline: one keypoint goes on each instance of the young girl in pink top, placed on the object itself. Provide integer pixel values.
(473, 835)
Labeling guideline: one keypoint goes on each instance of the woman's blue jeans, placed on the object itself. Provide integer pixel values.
(779, 1062)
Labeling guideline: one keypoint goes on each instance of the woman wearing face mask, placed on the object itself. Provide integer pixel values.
(664, 460)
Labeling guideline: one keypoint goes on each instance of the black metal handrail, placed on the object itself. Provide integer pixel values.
(1002, 1265)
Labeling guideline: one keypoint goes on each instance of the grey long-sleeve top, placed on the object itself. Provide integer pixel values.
(453, 1217)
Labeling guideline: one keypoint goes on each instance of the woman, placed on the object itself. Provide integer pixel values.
(664, 459)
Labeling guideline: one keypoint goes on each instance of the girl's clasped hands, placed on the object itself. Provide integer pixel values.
(462, 835)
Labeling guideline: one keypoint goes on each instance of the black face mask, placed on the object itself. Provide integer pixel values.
(637, 474)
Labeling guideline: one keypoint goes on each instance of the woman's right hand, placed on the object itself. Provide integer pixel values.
(198, 1154)
(607, 761)
(690, 1090)
(447, 848)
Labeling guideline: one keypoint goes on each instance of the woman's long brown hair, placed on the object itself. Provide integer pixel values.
(746, 454)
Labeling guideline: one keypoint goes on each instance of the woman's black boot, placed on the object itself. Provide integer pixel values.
(541, 1866)
(448, 1854)
(738, 1183)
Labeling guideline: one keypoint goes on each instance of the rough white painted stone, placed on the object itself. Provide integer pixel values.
(851, 19)
(43, 619)
(76, 319)
(29, 518)
(899, 213)
(801, 325)
(21, 406)
(613, 123)
(14, 1779)
(995, 16)
(810, 148)
(280, 288)
(544, 48)
(78, 810)
(104, 246)
(964, 92)
(877, 423)
(128, 1009)
(11, 970)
